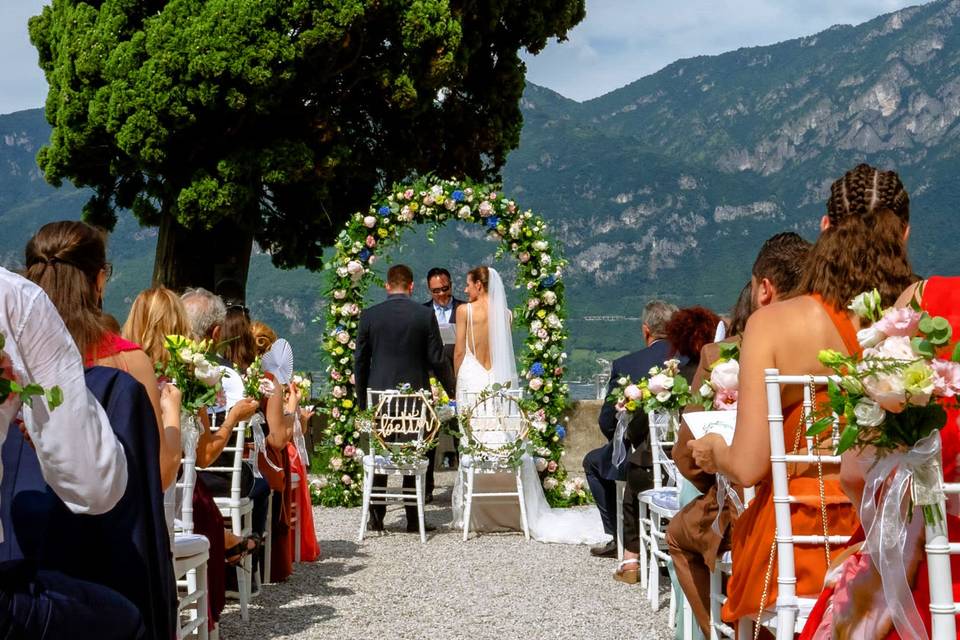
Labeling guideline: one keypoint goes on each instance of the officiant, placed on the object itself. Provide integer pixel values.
(444, 306)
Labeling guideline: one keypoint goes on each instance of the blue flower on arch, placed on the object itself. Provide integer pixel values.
(548, 282)
(364, 254)
(537, 369)
(561, 431)
(384, 211)
(457, 195)
(492, 222)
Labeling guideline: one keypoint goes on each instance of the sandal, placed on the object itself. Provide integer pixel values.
(235, 554)
(625, 575)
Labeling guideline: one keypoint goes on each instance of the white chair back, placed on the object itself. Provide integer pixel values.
(664, 427)
(787, 603)
(188, 477)
(404, 420)
(943, 608)
(235, 469)
(495, 420)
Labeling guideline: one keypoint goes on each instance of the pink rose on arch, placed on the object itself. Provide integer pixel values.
(558, 371)
(343, 337)
(346, 480)
(371, 242)
(540, 416)
(408, 194)
(369, 222)
(536, 384)
(493, 195)
(543, 334)
(486, 209)
(335, 412)
(552, 466)
(336, 375)
(524, 257)
(900, 321)
(349, 451)
(946, 378)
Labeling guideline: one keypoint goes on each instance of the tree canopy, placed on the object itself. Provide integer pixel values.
(278, 116)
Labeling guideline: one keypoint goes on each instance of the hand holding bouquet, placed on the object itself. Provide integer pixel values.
(191, 369)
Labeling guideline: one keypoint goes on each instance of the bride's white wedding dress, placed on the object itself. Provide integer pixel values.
(565, 526)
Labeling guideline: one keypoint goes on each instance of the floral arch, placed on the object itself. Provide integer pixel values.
(541, 362)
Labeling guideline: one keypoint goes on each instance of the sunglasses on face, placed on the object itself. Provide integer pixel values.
(439, 290)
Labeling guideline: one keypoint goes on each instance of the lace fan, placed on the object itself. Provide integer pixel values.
(279, 361)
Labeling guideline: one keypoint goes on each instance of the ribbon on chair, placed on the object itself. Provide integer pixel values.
(300, 442)
(260, 444)
(725, 490)
(884, 518)
(619, 449)
(190, 431)
(666, 424)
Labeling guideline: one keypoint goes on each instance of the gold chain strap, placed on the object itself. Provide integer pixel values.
(768, 575)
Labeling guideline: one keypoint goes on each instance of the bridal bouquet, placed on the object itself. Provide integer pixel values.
(10, 387)
(191, 369)
(720, 390)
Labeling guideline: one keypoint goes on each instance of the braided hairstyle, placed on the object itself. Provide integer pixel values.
(65, 259)
(864, 246)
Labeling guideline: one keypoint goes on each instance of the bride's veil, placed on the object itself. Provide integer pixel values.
(501, 339)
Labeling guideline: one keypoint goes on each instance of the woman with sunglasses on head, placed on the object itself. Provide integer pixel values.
(68, 260)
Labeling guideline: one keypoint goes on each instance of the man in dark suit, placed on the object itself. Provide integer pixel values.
(602, 474)
(444, 305)
(398, 342)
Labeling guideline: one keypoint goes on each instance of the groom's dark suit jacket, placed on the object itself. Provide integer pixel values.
(399, 342)
(637, 366)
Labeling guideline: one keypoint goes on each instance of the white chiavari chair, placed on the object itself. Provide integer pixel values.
(238, 510)
(190, 551)
(943, 608)
(789, 613)
(494, 424)
(657, 507)
(402, 423)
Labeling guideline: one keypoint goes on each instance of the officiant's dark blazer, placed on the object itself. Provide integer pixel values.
(399, 342)
(453, 312)
(637, 366)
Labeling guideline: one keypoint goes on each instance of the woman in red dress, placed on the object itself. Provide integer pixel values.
(852, 604)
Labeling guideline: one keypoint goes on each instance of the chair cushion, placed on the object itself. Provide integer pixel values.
(189, 544)
(666, 498)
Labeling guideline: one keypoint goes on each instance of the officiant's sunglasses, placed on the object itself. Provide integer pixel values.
(440, 289)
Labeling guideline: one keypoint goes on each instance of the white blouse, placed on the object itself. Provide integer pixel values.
(80, 457)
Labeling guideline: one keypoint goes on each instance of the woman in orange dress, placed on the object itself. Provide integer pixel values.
(862, 246)
(852, 605)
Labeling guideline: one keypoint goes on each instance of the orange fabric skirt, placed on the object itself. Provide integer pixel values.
(754, 530)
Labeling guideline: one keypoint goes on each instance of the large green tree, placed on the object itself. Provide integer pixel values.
(225, 121)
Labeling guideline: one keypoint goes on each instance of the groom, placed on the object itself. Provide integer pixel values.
(398, 342)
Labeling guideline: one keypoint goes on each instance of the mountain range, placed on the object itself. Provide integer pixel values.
(665, 187)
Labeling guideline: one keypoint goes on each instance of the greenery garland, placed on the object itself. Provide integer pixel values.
(539, 273)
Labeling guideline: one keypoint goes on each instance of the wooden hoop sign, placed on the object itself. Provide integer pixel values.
(404, 419)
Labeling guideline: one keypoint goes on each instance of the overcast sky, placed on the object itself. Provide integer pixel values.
(618, 42)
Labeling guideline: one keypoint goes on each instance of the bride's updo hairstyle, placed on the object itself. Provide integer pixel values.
(481, 275)
(65, 259)
(864, 246)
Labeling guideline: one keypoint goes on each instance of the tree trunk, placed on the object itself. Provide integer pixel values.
(217, 259)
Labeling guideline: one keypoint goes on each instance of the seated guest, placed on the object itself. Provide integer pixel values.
(207, 315)
(155, 314)
(598, 465)
(80, 460)
(694, 546)
(69, 261)
(687, 331)
(853, 603)
(862, 246)
(264, 337)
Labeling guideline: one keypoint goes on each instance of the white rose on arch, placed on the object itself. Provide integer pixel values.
(369, 222)
(540, 245)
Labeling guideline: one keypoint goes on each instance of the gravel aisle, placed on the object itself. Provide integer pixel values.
(492, 587)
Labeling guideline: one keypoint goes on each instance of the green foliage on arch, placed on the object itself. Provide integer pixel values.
(541, 362)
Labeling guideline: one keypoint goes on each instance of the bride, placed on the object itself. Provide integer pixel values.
(483, 356)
